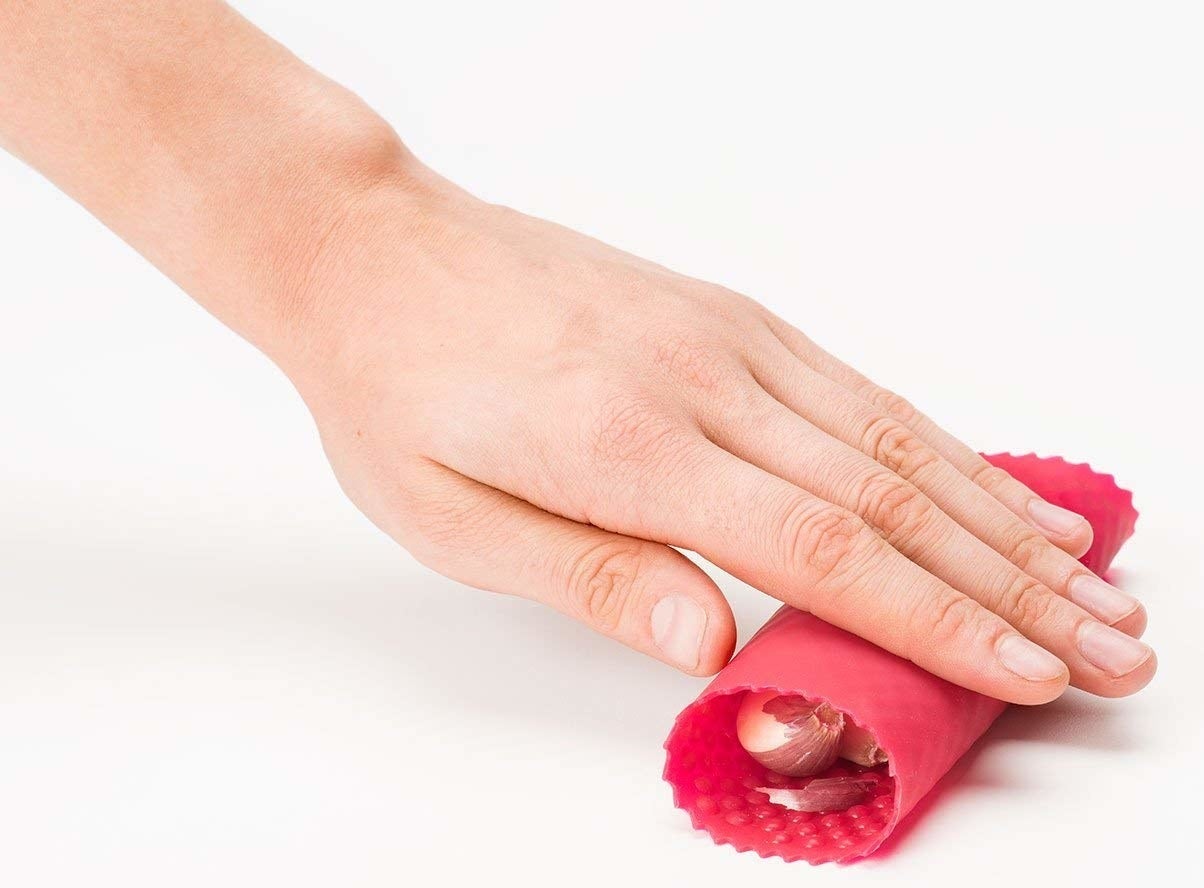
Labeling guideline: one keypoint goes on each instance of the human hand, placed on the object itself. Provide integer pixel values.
(530, 411)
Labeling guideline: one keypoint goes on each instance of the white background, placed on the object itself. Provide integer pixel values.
(213, 671)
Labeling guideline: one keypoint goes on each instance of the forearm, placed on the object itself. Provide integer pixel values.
(204, 144)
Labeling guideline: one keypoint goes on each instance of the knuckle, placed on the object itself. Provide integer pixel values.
(894, 506)
(700, 365)
(820, 539)
(954, 621)
(1027, 603)
(1024, 548)
(898, 448)
(601, 584)
(789, 335)
(629, 429)
(990, 478)
(896, 407)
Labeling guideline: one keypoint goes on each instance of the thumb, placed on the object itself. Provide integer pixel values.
(644, 594)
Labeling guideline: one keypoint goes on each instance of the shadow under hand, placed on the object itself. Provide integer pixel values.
(474, 652)
(1074, 719)
(479, 652)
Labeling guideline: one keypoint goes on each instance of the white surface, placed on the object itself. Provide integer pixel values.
(214, 672)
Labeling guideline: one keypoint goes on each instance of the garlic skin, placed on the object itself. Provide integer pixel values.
(858, 745)
(788, 734)
(822, 795)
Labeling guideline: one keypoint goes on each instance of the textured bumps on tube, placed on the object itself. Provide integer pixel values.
(924, 724)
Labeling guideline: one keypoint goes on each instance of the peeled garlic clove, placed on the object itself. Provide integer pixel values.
(858, 745)
(788, 734)
(822, 795)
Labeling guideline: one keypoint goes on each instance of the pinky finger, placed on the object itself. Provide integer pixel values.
(644, 594)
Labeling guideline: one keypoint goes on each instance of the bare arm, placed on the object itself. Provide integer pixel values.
(203, 143)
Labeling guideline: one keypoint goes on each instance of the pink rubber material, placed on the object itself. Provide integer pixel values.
(924, 723)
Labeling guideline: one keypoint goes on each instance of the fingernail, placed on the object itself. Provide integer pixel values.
(1111, 650)
(1102, 599)
(677, 628)
(1029, 661)
(1054, 519)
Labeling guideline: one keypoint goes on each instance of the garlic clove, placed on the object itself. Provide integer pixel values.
(789, 734)
(858, 745)
(822, 794)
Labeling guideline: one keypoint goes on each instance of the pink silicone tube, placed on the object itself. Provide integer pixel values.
(924, 723)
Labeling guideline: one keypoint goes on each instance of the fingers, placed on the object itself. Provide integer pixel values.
(642, 469)
(848, 418)
(643, 594)
(824, 559)
(646, 473)
(771, 436)
(1067, 530)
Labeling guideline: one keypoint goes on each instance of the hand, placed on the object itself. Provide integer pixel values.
(530, 411)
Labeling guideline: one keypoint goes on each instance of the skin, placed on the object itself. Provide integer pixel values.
(533, 412)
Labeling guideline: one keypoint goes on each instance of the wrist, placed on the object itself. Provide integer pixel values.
(330, 258)
(301, 226)
(331, 209)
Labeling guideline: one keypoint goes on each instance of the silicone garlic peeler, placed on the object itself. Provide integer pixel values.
(924, 723)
